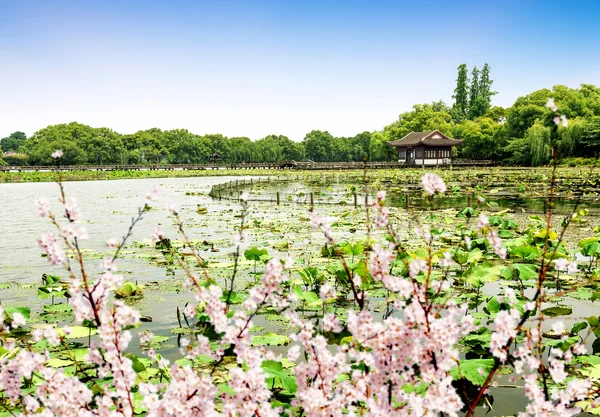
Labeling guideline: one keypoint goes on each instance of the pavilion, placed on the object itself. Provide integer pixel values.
(425, 148)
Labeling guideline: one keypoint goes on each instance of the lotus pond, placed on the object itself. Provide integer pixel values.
(514, 200)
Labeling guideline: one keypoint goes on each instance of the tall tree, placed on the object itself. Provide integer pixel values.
(461, 94)
(474, 90)
(485, 84)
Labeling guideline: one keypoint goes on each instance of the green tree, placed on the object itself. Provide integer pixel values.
(423, 117)
(473, 93)
(13, 142)
(485, 87)
(540, 143)
(319, 146)
(461, 94)
(483, 139)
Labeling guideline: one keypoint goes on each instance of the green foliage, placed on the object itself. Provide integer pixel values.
(461, 99)
(474, 370)
(13, 142)
(128, 289)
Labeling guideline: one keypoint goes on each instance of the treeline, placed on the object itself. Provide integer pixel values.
(82, 144)
(523, 134)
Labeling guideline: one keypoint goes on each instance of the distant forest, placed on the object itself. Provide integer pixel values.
(523, 134)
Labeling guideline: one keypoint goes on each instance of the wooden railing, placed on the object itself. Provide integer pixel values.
(214, 166)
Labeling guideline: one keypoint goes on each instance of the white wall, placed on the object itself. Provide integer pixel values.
(429, 162)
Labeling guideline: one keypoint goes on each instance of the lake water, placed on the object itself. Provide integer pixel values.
(107, 208)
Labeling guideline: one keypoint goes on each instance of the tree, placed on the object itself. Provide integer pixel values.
(13, 142)
(485, 86)
(461, 99)
(473, 92)
(319, 146)
(482, 139)
(540, 145)
(421, 118)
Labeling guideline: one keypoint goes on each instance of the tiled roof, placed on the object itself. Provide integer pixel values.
(424, 139)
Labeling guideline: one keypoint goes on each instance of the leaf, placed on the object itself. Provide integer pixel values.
(579, 326)
(484, 273)
(493, 306)
(254, 254)
(234, 298)
(557, 311)
(77, 332)
(128, 289)
(270, 339)
(24, 311)
(275, 370)
(474, 370)
(58, 308)
(522, 271)
(595, 296)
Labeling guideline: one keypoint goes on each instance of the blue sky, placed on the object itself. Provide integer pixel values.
(252, 68)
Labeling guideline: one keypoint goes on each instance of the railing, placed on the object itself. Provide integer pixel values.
(302, 165)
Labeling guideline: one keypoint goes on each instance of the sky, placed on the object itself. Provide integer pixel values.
(257, 67)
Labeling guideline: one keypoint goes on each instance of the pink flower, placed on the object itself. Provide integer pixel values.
(432, 183)
(327, 292)
(153, 194)
(572, 268)
(563, 121)
(331, 323)
(18, 320)
(72, 210)
(483, 221)
(446, 261)
(174, 208)
(157, 235)
(107, 264)
(52, 248)
(381, 195)
(112, 243)
(43, 206)
(57, 154)
(551, 105)
(417, 266)
(71, 230)
(561, 264)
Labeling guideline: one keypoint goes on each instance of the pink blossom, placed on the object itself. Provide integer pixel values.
(432, 183)
(57, 154)
(327, 292)
(483, 221)
(72, 210)
(331, 323)
(551, 105)
(174, 208)
(561, 264)
(153, 194)
(112, 243)
(563, 121)
(417, 266)
(108, 264)
(446, 261)
(157, 235)
(43, 206)
(71, 230)
(572, 268)
(18, 320)
(52, 248)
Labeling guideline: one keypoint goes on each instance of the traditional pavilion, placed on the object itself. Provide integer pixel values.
(425, 148)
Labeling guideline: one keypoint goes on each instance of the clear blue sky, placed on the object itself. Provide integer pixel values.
(254, 67)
